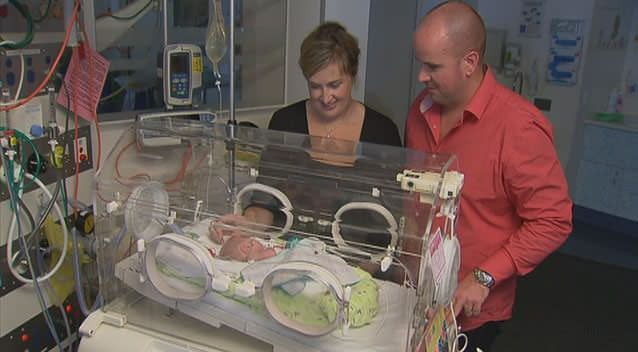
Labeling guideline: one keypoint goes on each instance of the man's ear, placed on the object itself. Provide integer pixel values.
(471, 62)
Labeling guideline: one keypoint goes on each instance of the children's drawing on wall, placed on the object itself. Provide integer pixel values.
(565, 51)
(611, 36)
(531, 18)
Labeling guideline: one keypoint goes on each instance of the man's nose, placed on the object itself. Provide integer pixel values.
(424, 76)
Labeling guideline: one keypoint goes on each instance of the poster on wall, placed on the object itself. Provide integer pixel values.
(565, 51)
(610, 34)
(531, 19)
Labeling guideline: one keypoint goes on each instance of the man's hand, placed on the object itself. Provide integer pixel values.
(469, 296)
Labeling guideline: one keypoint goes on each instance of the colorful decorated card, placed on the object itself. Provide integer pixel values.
(439, 331)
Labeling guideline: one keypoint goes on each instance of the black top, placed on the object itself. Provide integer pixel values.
(323, 189)
(377, 128)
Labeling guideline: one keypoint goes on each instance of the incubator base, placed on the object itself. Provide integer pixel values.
(136, 337)
(387, 332)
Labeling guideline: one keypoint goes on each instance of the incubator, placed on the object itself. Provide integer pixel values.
(300, 242)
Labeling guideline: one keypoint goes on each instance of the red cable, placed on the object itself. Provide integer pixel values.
(76, 187)
(117, 167)
(186, 158)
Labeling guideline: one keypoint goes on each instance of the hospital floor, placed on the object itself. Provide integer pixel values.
(582, 298)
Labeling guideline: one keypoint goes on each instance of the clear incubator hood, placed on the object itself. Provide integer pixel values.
(302, 242)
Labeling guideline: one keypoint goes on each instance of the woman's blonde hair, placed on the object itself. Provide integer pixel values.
(328, 43)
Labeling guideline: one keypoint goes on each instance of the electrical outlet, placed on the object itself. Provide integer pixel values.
(81, 153)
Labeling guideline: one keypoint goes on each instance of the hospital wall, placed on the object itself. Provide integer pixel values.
(565, 106)
(303, 16)
(630, 72)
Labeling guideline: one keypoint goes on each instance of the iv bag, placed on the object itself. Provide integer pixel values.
(216, 45)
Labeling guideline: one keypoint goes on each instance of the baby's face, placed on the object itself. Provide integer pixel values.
(242, 248)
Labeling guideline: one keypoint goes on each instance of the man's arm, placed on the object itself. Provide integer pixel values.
(535, 183)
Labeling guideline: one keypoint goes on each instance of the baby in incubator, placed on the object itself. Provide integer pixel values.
(237, 244)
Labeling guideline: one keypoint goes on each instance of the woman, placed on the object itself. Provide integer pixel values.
(329, 60)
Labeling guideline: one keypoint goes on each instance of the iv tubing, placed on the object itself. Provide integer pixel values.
(64, 246)
(36, 285)
(165, 21)
(231, 46)
(78, 280)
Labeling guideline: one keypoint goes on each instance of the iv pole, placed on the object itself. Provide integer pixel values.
(231, 126)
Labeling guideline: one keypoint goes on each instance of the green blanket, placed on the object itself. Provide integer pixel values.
(320, 309)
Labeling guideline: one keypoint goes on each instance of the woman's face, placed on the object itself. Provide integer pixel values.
(330, 92)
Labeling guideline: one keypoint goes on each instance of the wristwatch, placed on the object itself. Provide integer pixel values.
(483, 277)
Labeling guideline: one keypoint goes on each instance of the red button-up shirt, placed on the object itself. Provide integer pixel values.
(515, 208)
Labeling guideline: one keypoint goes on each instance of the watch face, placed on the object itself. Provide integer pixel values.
(483, 278)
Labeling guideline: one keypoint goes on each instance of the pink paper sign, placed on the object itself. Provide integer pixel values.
(84, 81)
(437, 255)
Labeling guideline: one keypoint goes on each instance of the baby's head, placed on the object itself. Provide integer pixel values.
(243, 248)
(236, 244)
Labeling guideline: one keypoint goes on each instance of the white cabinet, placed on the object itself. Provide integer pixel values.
(608, 173)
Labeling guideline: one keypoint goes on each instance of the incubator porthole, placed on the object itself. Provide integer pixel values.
(147, 210)
(365, 229)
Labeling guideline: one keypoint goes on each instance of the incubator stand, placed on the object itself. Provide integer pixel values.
(344, 256)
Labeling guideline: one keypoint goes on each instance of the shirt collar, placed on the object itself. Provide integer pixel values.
(483, 94)
(479, 101)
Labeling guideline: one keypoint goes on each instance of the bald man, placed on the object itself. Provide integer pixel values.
(515, 209)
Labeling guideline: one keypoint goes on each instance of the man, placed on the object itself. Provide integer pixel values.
(515, 209)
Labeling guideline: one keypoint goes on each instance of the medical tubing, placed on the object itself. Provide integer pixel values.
(46, 79)
(34, 149)
(65, 319)
(46, 13)
(407, 272)
(40, 296)
(39, 257)
(32, 235)
(231, 102)
(27, 212)
(78, 204)
(455, 344)
(46, 213)
(67, 326)
(178, 230)
(119, 237)
(219, 91)
(49, 206)
(76, 273)
(19, 89)
(64, 246)
(113, 95)
(28, 37)
(126, 18)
